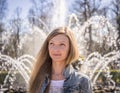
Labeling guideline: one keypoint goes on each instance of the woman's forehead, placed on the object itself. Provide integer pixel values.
(60, 37)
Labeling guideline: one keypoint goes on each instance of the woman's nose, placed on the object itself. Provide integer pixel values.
(56, 48)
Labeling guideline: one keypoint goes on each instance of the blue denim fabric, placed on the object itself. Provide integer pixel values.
(75, 82)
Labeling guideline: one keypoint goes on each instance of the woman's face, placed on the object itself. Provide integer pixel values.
(58, 48)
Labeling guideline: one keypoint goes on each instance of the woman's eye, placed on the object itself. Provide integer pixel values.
(62, 44)
(51, 43)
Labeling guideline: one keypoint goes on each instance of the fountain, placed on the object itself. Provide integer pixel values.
(14, 70)
(19, 69)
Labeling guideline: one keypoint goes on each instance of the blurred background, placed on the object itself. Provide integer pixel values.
(24, 24)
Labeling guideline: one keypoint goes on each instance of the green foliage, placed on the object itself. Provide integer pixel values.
(2, 77)
(115, 76)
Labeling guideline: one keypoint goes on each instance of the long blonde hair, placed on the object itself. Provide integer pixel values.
(43, 62)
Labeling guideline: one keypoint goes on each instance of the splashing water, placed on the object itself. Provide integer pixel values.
(59, 14)
(22, 65)
(95, 61)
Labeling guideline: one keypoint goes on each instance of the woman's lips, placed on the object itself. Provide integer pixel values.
(57, 54)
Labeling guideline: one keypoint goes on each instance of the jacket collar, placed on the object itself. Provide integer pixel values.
(68, 71)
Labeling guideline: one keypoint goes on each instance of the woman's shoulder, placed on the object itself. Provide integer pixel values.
(74, 73)
(79, 75)
(76, 77)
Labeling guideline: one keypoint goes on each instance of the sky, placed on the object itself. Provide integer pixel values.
(23, 4)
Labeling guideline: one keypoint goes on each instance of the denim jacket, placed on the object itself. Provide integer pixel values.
(75, 82)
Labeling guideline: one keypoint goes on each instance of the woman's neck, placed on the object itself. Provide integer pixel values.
(57, 67)
(57, 70)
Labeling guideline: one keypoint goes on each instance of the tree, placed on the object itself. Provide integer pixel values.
(12, 47)
(39, 13)
(3, 8)
(85, 10)
(116, 11)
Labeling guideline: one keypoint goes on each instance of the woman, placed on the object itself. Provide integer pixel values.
(53, 71)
